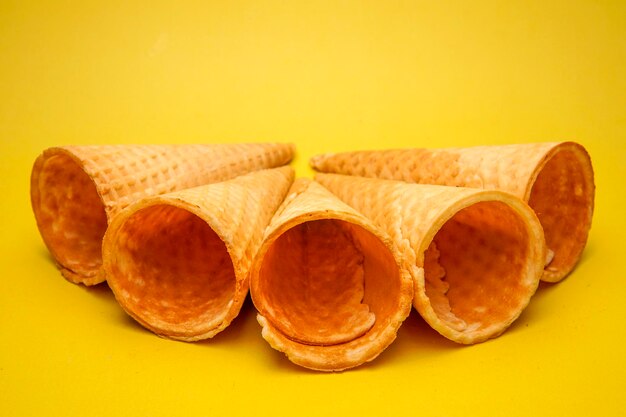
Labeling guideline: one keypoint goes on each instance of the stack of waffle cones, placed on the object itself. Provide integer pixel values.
(77, 190)
(182, 232)
(555, 179)
(182, 225)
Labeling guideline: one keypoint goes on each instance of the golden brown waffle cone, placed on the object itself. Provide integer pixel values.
(475, 256)
(327, 284)
(178, 263)
(76, 190)
(555, 179)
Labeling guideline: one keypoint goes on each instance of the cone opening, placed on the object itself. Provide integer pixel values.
(326, 282)
(562, 198)
(70, 214)
(171, 271)
(476, 268)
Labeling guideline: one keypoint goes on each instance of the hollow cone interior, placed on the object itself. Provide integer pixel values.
(327, 284)
(179, 263)
(475, 256)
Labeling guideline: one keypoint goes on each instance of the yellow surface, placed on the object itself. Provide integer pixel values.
(327, 76)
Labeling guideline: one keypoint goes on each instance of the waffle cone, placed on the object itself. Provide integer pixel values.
(475, 256)
(555, 179)
(77, 190)
(328, 285)
(179, 263)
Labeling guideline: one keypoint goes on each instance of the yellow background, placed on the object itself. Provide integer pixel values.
(327, 76)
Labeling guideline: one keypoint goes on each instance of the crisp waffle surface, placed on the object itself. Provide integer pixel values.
(507, 167)
(178, 263)
(107, 179)
(555, 178)
(484, 249)
(126, 173)
(327, 283)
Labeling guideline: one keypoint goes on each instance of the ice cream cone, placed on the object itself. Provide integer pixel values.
(76, 190)
(178, 263)
(555, 179)
(475, 256)
(328, 284)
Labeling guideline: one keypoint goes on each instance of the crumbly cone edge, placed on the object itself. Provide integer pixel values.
(92, 279)
(552, 275)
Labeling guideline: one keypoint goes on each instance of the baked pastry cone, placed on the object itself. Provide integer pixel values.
(555, 179)
(178, 263)
(77, 190)
(328, 285)
(475, 256)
